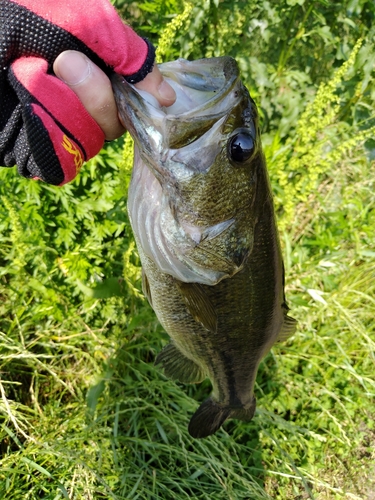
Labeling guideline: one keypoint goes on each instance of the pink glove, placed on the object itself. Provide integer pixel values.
(44, 128)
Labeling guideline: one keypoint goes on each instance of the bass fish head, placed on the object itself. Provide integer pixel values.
(197, 162)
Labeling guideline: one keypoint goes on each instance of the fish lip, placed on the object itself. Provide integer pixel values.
(182, 71)
(221, 75)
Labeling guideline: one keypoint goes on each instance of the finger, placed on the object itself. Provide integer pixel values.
(93, 88)
(155, 84)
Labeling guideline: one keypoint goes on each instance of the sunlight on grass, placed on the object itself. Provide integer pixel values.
(84, 413)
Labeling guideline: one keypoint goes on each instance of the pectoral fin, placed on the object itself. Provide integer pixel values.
(199, 305)
(179, 367)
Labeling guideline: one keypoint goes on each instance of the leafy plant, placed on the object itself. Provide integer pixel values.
(83, 411)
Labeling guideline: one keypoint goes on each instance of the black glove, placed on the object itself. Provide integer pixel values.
(44, 128)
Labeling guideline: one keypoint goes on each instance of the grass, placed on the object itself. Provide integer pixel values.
(84, 414)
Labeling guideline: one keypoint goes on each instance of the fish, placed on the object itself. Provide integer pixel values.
(201, 209)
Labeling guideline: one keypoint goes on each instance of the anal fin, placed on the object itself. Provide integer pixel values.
(178, 367)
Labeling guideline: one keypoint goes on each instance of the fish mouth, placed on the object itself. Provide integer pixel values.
(174, 145)
(206, 90)
(201, 85)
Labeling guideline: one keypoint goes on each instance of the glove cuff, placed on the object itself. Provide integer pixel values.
(147, 65)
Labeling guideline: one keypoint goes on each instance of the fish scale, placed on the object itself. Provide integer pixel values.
(205, 228)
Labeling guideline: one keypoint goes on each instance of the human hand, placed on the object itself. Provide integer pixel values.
(93, 88)
(44, 126)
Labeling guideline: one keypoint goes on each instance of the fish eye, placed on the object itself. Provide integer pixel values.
(241, 147)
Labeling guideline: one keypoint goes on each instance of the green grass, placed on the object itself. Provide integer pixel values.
(84, 414)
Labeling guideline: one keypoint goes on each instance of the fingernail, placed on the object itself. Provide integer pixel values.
(72, 67)
(166, 92)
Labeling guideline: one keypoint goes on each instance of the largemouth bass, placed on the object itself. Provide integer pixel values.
(201, 209)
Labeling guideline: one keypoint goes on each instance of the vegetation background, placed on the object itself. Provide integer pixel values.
(83, 412)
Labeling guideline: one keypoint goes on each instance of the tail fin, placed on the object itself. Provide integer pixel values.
(211, 415)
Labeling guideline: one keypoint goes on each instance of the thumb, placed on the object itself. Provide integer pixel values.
(93, 88)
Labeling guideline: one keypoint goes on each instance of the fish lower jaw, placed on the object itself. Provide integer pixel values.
(171, 246)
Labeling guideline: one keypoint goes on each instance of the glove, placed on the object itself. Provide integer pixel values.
(44, 128)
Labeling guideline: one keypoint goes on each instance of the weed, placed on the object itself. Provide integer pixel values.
(84, 414)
